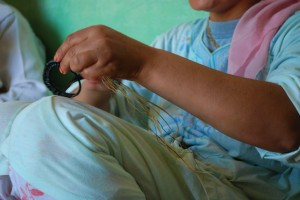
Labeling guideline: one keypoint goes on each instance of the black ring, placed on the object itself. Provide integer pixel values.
(46, 77)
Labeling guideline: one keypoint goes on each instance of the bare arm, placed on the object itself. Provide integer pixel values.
(255, 112)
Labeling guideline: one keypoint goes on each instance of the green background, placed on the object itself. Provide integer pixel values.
(53, 20)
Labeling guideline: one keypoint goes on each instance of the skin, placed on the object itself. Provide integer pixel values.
(255, 112)
(95, 93)
(223, 10)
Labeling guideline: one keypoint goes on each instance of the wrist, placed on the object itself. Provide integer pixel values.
(149, 66)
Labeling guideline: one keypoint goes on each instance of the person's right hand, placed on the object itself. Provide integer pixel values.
(99, 51)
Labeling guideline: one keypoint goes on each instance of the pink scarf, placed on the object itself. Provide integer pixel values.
(248, 53)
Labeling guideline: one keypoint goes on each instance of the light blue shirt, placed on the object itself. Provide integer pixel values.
(189, 40)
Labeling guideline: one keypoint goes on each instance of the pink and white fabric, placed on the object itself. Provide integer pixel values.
(22, 190)
(251, 40)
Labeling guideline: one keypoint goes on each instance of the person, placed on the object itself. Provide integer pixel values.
(228, 89)
(22, 58)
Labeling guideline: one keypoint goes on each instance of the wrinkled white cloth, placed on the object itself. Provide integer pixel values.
(79, 152)
(22, 58)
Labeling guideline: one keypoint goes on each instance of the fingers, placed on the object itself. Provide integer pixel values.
(69, 47)
(77, 59)
(80, 50)
(100, 51)
(72, 39)
(87, 58)
(98, 70)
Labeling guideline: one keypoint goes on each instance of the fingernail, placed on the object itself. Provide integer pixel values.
(61, 70)
(55, 58)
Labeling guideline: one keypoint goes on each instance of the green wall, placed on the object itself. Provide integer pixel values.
(53, 20)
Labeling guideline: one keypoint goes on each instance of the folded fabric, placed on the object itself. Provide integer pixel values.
(250, 44)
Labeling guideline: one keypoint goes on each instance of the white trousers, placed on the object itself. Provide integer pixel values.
(70, 150)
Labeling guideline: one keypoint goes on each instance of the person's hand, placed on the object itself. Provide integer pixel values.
(101, 51)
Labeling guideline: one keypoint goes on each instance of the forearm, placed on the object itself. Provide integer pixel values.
(252, 111)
